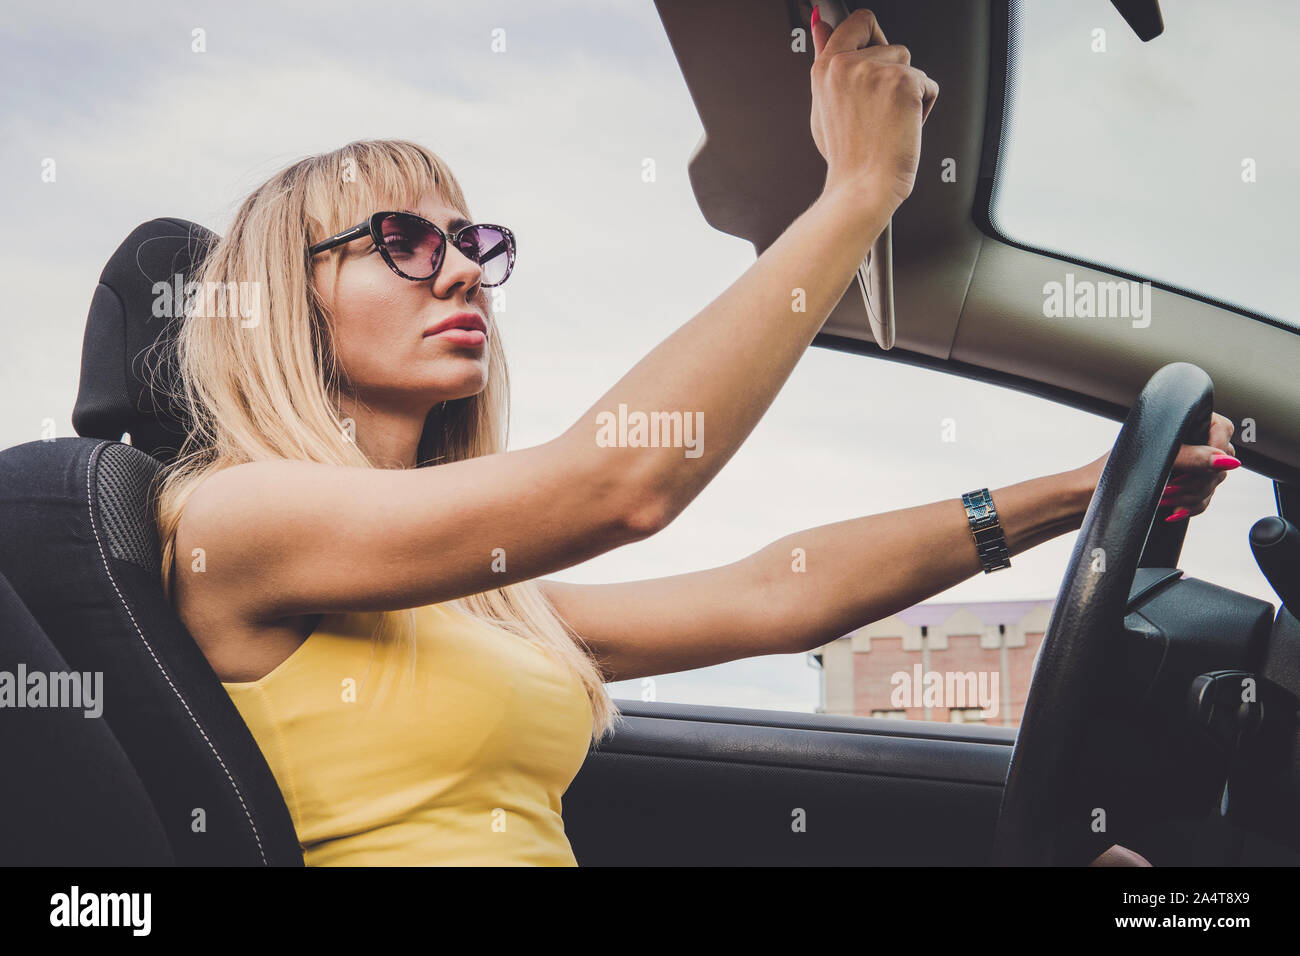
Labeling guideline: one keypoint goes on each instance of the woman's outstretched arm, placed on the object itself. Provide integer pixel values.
(843, 576)
(807, 588)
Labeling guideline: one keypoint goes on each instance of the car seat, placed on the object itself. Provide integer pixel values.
(70, 796)
(81, 561)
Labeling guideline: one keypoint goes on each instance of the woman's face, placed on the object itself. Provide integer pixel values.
(382, 323)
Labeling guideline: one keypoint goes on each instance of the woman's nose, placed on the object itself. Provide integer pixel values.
(455, 260)
(457, 268)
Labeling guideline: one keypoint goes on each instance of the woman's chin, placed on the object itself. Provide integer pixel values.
(446, 391)
(450, 378)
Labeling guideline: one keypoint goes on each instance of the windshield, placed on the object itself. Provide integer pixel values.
(1173, 160)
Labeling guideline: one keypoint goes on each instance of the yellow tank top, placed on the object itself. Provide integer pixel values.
(462, 766)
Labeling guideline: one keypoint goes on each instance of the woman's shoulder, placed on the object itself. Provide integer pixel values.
(227, 520)
(214, 571)
(237, 483)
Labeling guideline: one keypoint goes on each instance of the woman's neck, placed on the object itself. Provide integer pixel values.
(389, 437)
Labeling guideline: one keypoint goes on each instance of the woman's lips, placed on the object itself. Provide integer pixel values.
(467, 337)
(463, 328)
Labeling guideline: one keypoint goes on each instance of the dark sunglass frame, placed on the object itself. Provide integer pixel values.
(371, 228)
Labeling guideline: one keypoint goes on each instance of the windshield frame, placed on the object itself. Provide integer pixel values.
(996, 129)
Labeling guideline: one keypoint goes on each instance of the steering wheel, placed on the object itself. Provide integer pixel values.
(1037, 812)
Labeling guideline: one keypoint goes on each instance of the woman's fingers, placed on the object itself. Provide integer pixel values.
(1201, 458)
(893, 53)
(862, 29)
(1198, 470)
(1190, 493)
(928, 97)
(821, 32)
(1221, 430)
(1186, 504)
(1193, 484)
(859, 29)
(1216, 455)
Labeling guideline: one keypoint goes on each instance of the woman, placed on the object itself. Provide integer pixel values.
(303, 516)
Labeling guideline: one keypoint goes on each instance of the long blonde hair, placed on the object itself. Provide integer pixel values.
(272, 390)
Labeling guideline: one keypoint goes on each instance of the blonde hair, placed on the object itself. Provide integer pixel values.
(271, 391)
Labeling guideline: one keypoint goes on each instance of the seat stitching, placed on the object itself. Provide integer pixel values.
(99, 545)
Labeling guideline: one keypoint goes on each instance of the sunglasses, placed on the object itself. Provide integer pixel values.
(414, 248)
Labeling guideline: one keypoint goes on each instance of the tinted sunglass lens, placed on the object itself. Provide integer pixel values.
(411, 245)
(489, 247)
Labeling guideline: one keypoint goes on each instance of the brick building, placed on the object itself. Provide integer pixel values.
(960, 662)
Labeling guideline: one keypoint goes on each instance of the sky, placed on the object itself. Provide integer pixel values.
(1147, 157)
(547, 137)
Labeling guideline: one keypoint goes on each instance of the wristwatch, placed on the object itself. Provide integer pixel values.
(990, 543)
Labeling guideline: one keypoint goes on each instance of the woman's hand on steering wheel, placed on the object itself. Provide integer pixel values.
(1199, 469)
(1196, 472)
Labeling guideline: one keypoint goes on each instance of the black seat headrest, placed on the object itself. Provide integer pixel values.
(125, 385)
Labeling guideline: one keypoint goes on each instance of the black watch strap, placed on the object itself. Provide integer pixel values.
(990, 543)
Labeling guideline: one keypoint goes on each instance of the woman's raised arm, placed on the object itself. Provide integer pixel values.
(288, 537)
(295, 537)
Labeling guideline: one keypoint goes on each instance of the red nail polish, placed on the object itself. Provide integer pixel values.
(816, 16)
(1225, 463)
(1178, 515)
